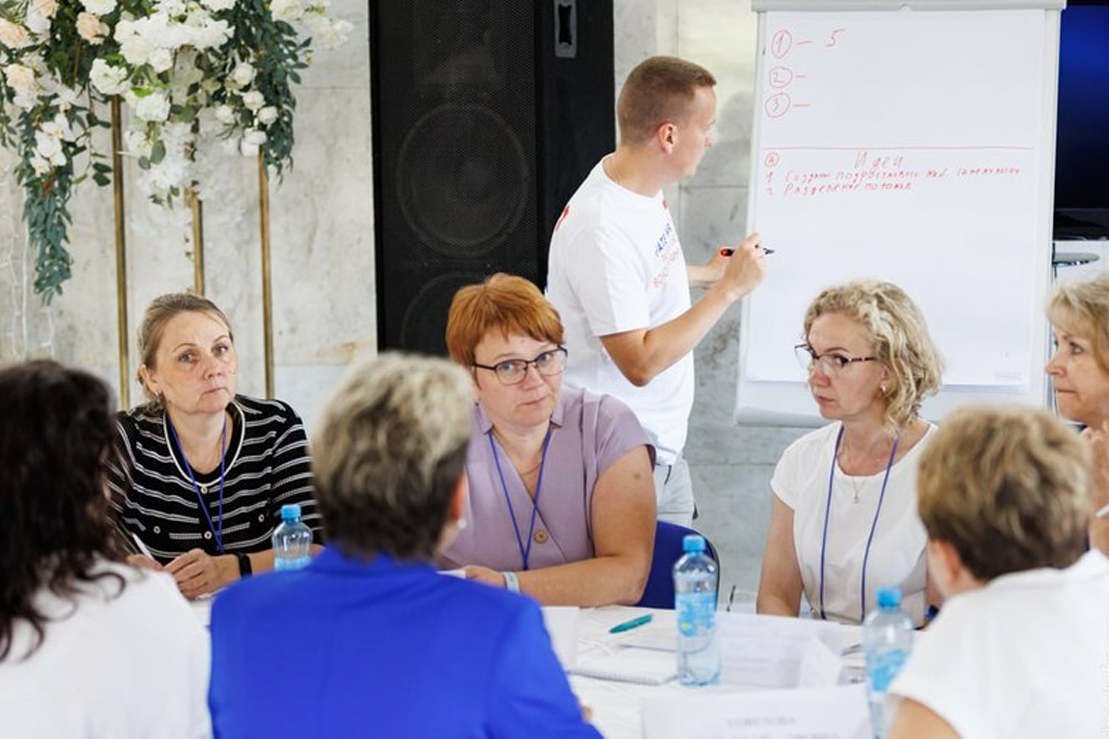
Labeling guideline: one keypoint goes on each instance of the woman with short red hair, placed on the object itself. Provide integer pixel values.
(562, 503)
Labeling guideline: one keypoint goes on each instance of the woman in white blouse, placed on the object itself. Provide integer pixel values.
(89, 647)
(844, 521)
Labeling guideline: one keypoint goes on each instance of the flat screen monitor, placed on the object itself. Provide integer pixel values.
(1082, 151)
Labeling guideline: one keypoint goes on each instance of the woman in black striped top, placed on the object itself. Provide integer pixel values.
(202, 472)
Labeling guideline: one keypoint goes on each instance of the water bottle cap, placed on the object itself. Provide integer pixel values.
(889, 597)
(693, 543)
(290, 512)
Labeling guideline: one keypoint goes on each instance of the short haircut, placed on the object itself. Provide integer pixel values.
(57, 427)
(1082, 308)
(659, 90)
(1008, 488)
(900, 336)
(505, 303)
(158, 314)
(389, 452)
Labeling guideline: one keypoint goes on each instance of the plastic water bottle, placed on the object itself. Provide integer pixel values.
(695, 605)
(292, 540)
(887, 641)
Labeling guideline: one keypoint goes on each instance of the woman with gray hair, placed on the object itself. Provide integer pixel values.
(1079, 371)
(369, 639)
(203, 471)
(844, 521)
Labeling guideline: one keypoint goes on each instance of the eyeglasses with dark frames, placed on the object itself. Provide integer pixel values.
(831, 364)
(513, 371)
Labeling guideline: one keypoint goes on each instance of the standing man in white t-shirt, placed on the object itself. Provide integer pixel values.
(618, 276)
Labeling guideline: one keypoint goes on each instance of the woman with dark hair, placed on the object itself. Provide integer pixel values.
(203, 471)
(83, 637)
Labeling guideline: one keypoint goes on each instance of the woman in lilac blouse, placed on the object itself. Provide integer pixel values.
(562, 502)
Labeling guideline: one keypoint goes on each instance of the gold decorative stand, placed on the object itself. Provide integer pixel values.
(121, 256)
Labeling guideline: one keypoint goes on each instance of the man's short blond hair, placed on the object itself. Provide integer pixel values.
(1008, 488)
(1082, 308)
(659, 90)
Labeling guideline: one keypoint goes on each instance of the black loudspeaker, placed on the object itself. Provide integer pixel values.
(487, 115)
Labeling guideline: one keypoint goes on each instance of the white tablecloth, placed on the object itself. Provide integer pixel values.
(616, 705)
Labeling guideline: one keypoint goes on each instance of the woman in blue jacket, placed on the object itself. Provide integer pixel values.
(369, 640)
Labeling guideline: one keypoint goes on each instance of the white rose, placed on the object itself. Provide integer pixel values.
(225, 114)
(91, 29)
(248, 149)
(160, 31)
(49, 148)
(13, 35)
(40, 165)
(37, 23)
(172, 7)
(136, 143)
(45, 8)
(243, 74)
(160, 60)
(254, 100)
(217, 5)
(20, 78)
(287, 10)
(59, 128)
(99, 7)
(153, 107)
(209, 34)
(67, 96)
(136, 50)
(267, 115)
(254, 136)
(125, 29)
(107, 79)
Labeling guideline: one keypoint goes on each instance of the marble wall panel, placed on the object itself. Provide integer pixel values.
(322, 236)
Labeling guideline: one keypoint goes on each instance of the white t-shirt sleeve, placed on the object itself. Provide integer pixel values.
(784, 481)
(609, 279)
(945, 671)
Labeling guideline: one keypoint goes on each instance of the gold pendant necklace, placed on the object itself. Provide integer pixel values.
(857, 485)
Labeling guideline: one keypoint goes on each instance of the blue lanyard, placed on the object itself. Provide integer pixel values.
(218, 532)
(873, 524)
(525, 552)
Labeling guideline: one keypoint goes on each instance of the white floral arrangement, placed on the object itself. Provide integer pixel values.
(190, 74)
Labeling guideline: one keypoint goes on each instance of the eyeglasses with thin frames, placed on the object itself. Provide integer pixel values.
(830, 364)
(513, 371)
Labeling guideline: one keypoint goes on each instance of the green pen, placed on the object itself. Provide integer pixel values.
(629, 625)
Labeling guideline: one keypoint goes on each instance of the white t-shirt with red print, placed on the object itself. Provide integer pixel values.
(616, 265)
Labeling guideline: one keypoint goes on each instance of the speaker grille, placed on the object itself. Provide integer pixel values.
(462, 180)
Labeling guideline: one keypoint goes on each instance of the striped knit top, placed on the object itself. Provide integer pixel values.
(266, 466)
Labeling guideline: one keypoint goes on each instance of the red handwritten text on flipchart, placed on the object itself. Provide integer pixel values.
(781, 95)
(868, 172)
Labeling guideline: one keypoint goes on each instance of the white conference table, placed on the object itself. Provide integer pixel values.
(616, 705)
(758, 653)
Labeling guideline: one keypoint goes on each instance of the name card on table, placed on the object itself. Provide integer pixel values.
(772, 651)
(827, 713)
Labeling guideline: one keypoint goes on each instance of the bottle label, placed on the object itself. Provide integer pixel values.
(882, 668)
(287, 563)
(696, 613)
